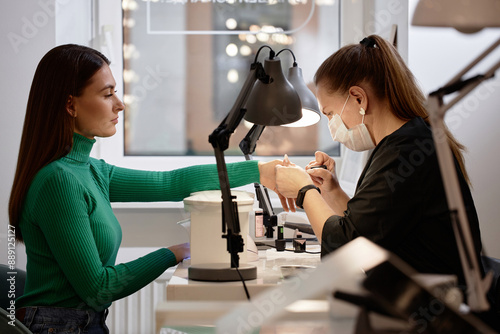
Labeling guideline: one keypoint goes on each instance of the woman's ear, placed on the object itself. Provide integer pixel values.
(70, 107)
(360, 96)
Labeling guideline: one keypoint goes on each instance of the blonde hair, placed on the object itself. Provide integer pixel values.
(377, 63)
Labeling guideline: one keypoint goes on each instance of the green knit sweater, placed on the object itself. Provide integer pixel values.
(72, 236)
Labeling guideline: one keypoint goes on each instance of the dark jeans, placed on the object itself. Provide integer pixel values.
(45, 320)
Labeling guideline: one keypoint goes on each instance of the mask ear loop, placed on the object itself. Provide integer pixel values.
(345, 103)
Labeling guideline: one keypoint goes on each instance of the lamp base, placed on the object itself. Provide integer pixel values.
(221, 272)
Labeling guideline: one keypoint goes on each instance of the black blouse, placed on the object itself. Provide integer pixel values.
(400, 204)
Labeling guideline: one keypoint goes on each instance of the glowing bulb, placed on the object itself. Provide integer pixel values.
(231, 50)
(129, 23)
(231, 24)
(128, 99)
(269, 29)
(129, 51)
(232, 76)
(128, 76)
(251, 39)
(262, 37)
(129, 5)
(245, 50)
(247, 124)
(254, 28)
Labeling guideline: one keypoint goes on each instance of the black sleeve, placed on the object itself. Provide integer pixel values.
(387, 194)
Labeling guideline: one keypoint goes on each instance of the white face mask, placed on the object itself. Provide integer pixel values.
(356, 138)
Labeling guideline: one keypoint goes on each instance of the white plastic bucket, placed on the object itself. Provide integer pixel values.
(207, 244)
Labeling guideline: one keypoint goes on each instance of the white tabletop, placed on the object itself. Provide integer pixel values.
(303, 304)
(269, 273)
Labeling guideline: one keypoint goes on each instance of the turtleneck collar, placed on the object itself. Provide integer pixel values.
(81, 148)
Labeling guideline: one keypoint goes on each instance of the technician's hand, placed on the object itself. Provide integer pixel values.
(325, 179)
(181, 251)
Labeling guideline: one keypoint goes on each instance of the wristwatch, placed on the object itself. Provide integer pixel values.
(302, 193)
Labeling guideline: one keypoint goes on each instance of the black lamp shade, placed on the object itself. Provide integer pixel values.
(310, 108)
(273, 103)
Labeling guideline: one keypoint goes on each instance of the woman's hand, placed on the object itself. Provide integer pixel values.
(289, 180)
(325, 179)
(267, 172)
(181, 251)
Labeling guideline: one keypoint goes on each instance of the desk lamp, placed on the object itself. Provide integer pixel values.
(310, 116)
(267, 98)
(465, 16)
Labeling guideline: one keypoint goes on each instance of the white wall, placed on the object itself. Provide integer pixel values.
(367, 17)
(27, 29)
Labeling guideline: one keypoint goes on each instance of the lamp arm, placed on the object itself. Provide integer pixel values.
(220, 142)
(464, 87)
(270, 218)
(247, 146)
(473, 63)
(235, 115)
(459, 85)
(477, 287)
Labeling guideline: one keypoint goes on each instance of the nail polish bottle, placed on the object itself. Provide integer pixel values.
(299, 243)
(280, 242)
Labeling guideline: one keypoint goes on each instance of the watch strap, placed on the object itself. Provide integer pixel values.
(302, 193)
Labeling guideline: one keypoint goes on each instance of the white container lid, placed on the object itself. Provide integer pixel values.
(213, 199)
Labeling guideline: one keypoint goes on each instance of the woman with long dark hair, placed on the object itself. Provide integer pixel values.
(60, 199)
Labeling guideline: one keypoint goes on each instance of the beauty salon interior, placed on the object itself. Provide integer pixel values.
(324, 160)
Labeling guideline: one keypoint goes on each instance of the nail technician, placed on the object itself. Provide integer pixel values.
(373, 102)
